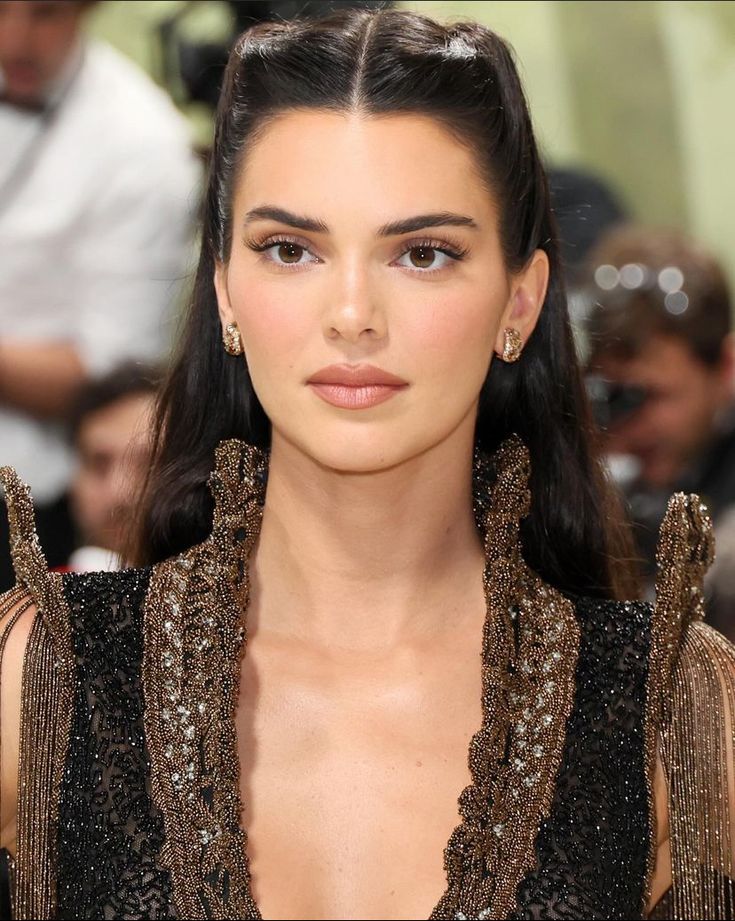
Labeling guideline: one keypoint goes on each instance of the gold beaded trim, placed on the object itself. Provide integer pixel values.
(47, 701)
(194, 628)
(529, 657)
(696, 746)
(684, 552)
(17, 600)
(195, 634)
(690, 717)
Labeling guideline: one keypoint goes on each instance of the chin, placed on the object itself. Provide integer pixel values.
(369, 449)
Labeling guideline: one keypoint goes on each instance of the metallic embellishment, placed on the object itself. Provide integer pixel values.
(530, 645)
(491, 850)
(232, 340)
(680, 567)
(17, 600)
(193, 619)
(46, 708)
(513, 345)
(529, 653)
(691, 714)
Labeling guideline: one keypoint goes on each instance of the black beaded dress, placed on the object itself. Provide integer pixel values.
(129, 803)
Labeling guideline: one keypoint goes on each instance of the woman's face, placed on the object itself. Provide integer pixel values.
(367, 341)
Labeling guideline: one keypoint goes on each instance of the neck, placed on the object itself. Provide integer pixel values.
(367, 560)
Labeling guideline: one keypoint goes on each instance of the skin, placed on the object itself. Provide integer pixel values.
(360, 687)
(367, 593)
(113, 453)
(674, 425)
(36, 39)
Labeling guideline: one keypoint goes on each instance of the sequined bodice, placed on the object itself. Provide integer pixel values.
(590, 852)
(129, 797)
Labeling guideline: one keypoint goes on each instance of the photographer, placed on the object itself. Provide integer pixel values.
(98, 185)
(661, 376)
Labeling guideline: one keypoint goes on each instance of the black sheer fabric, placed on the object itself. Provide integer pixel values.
(5, 884)
(110, 834)
(591, 851)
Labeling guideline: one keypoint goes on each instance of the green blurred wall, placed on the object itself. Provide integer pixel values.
(641, 91)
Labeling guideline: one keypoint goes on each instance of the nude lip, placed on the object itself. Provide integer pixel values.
(355, 386)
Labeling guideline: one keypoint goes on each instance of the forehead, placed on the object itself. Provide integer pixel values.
(43, 10)
(661, 359)
(366, 165)
(118, 419)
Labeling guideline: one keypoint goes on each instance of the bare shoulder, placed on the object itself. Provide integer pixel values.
(17, 615)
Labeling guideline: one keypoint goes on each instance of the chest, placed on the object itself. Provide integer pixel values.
(350, 781)
(326, 838)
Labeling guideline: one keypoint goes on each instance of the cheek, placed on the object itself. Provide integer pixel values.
(86, 496)
(454, 336)
(275, 323)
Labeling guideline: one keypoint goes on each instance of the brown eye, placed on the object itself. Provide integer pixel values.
(422, 256)
(290, 253)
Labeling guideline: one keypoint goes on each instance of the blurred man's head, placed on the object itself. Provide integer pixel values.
(111, 429)
(37, 38)
(660, 336)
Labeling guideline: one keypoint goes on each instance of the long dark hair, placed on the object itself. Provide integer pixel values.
(462, 74)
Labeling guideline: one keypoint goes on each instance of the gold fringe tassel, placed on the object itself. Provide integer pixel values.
(18, 599)
(697, 751)
(46, 706)
(690, 721)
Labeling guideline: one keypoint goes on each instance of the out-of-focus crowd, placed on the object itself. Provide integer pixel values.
(98, 196)
(99, 189)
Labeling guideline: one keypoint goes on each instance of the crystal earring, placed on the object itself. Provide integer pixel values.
(513, 345)
(231, 339)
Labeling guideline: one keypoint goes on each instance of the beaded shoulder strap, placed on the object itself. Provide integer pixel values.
(691, 718)
(28, 559)
(684, 553)
(46, 704)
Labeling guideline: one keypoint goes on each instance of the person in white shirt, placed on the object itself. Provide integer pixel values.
(98, 194)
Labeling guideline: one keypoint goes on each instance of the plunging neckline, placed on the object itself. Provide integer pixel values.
(245, 828)
(195, 628)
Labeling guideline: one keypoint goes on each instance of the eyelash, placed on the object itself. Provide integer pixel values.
(453, 251)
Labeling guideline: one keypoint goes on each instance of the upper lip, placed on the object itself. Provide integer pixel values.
(356, 376)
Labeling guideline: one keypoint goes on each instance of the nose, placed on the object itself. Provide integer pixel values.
(355, 312)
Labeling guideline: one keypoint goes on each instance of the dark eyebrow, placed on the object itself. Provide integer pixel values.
(271, 213)
(438, 219)
(392, 229)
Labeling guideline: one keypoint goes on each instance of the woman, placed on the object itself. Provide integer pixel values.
(377, 347)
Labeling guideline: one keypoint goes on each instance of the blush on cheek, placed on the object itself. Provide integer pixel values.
(454, 335)
(272, 326)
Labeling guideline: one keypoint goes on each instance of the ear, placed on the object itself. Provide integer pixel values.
(223, 296)
(527, 294)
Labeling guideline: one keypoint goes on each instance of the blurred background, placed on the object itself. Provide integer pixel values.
(638, 91)
(106, 112)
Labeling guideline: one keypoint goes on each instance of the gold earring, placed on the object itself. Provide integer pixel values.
(513, 345)
(231, 339)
